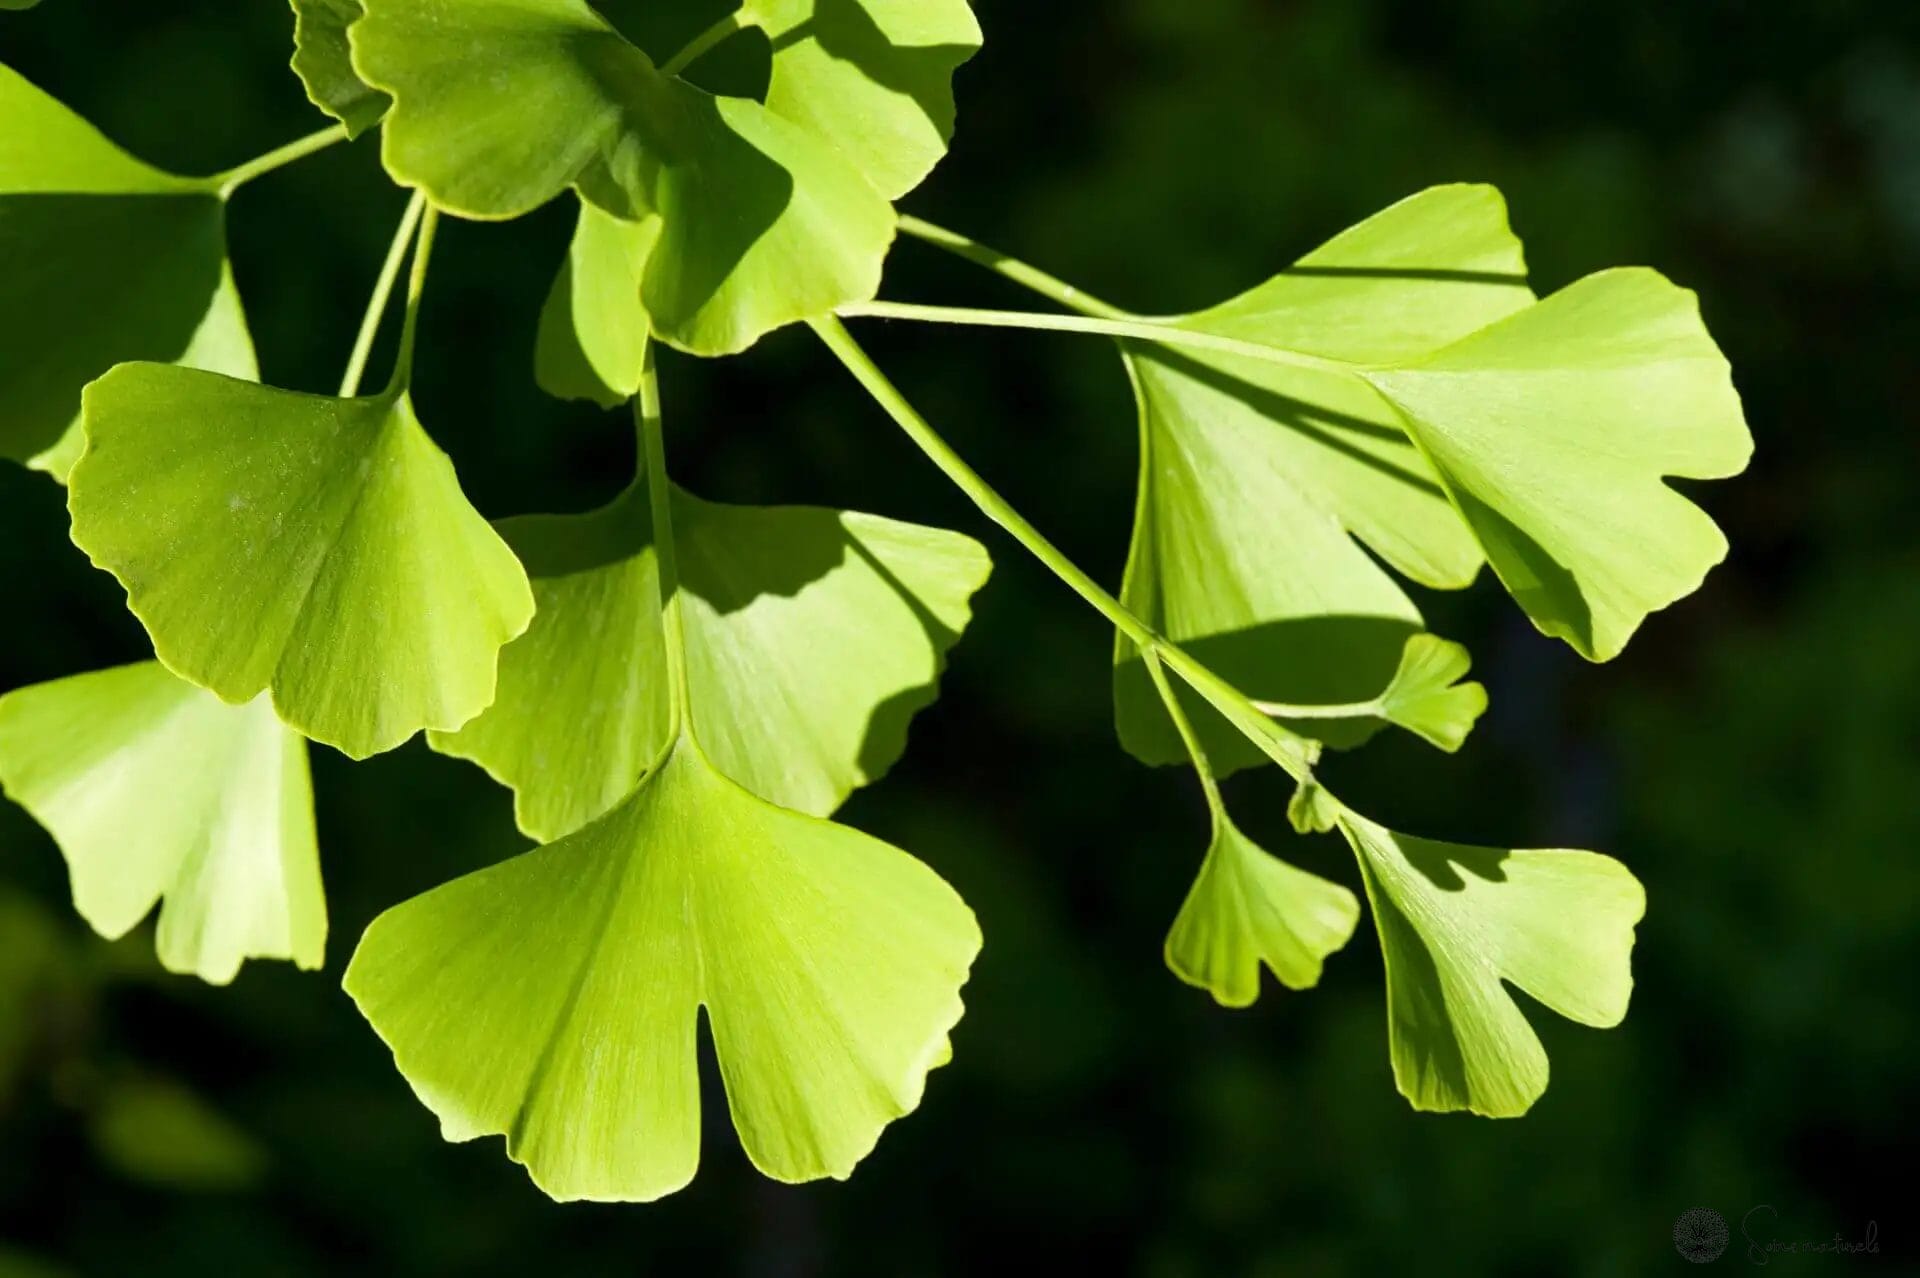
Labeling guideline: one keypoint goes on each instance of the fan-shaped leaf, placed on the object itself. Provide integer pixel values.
(553, 999)
(107, 260)
(1553, 430)
(1248, 907)
(157, 789)
(813, 635)
(593, 334)
(1256, 478)
(1455, 922)
(502, 104)
(323, 60)
(319, 547)
(872, 77)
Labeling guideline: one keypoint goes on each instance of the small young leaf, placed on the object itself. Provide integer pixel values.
(323, 61)
(593, 332)
(501, 106)
(872, 77)
(813, 636)
(155, 789)
(1426, 696)
(1553, 430)
(1256, 478)
(107, 260)
(1456, 921)
(1312, 810)
(1248, 907)
(553, 999)
(316, 546)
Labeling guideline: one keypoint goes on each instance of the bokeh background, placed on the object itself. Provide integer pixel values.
(1755, 755)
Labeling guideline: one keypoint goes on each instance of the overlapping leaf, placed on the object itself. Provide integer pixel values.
(319, 547)
(813, 636)
(322, 58)
(502, 104)
(553, 999)
(1257, 478)
(157, 790)
(1248, 907)
(1455, 922)
(1554, 429)
(872, 77)
(593, 334)
(107, 259)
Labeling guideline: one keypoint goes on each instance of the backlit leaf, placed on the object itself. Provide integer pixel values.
(1248, 907)
(1259, 481)
(316, 546)
(323, 61)
(157, 790)
(500, 105)
(813, 636)
(1426, 696)
(106, 260)
(872, 77)
(1455, 922)
(1554, 430)
(593, 334)
(553, 999)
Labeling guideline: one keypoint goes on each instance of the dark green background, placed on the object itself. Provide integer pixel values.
(1754, 757)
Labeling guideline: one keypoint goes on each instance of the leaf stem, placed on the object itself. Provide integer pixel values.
(1031, 277)
(1348, 710)
(1197, 752)
(1293, 753)
(382, 293)
(653, 449)
(705, 43)
(1148, 330)
(299, 149)
(416, 289)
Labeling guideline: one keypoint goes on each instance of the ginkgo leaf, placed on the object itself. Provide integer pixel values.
(157, 790)
(1455, 922)
(872, 77)
(502, 104)
(323, 60)
(316, 546)
(107, 260)
(813, 636)
(1257, 478)
(593, 333)
(1554, 430)
(1248, 907)
(553, 999)
(18, 4)
(1426, 696)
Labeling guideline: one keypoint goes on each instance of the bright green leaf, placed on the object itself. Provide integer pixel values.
(1426, 696)
(500, 105)
(1553, 430)
(1248, 907)
(323, 61)
(872, 77)
(316, 546)
(157, 790)
(813, 636)
(553, 998)
(593, 334)
(1257, 478)
(107, 260)
(1455, 922)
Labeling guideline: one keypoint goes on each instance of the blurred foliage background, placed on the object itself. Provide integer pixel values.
(1755, 756)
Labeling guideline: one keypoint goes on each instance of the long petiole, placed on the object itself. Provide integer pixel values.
(704, 43)
(278, 158)
(416, 289)
(1048, 286)
(653, 449)
(382, 293)
(1293, 753)
(1202, 767)
(1145, 330)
